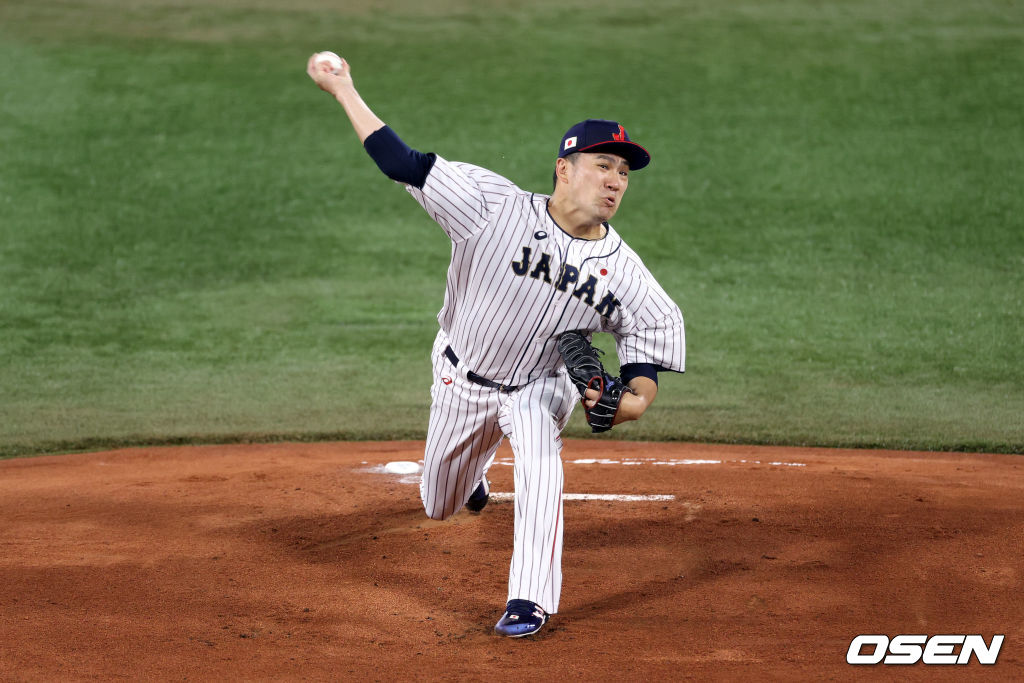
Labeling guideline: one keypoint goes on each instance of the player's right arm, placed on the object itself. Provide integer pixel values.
(395, 159)
(458, 196)
(340, 85)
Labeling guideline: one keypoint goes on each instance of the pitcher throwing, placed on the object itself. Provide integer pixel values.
(526, 269)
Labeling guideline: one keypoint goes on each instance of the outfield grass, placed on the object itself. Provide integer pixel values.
(193, 246)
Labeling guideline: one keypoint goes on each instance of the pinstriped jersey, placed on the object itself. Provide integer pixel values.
(517, 280)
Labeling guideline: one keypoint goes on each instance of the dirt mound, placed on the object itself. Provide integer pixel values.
(681, 561)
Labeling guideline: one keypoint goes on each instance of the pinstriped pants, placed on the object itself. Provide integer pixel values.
(467, 423)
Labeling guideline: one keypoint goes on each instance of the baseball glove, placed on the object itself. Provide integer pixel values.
(587, 372)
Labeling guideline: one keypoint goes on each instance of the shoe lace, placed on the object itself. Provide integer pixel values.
(524, 608)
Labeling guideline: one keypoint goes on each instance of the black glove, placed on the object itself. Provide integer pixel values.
(587, 372)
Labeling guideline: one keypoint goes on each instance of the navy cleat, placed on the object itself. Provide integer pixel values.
(481, 494)
(521, 618)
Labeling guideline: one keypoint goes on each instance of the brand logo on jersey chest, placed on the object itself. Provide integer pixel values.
(566, 276)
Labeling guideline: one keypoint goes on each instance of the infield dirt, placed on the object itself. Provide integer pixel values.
(307, 561)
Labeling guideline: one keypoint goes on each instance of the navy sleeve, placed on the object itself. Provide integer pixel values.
(396, 159)
(631, 371)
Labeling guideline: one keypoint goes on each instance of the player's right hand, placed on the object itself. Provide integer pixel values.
(327, 80)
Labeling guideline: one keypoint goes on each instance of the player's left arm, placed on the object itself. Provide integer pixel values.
(650, 339)
(633, 405)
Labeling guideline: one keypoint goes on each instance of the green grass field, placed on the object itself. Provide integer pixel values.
(194, 247)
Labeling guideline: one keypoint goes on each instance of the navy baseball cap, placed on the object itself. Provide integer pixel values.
(600, 135)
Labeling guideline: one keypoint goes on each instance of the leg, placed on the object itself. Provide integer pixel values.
(482, 493)
(462, 438)
(533, 420)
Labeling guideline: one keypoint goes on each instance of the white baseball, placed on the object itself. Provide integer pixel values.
(330, 58)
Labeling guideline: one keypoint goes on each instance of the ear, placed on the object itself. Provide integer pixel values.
(562, 170)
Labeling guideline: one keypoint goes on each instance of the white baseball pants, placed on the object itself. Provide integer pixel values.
(467, 423)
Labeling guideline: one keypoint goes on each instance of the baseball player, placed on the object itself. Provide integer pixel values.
(526, 269)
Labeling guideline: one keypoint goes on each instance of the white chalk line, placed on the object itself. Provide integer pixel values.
(407, 475)
(408, 472)
(655, 461)
(613, 497)
(408, 467)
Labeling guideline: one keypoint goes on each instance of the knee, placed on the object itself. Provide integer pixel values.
(430, 501)
(436, 512)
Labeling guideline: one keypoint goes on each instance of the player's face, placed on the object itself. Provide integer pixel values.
(597, 182)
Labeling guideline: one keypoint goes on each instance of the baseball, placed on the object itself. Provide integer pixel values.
(331, 58)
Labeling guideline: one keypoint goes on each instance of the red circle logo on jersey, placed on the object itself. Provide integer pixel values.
(604, 271)
(446, 380)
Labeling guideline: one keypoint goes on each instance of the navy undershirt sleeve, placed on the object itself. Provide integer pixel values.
(631, 371)
(396, 159)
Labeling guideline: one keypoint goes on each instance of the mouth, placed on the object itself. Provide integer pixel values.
(609, 201)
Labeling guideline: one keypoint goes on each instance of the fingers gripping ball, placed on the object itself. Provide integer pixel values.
(587, 372)
(331, 59)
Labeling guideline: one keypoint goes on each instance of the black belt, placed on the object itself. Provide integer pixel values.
(475, 378)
